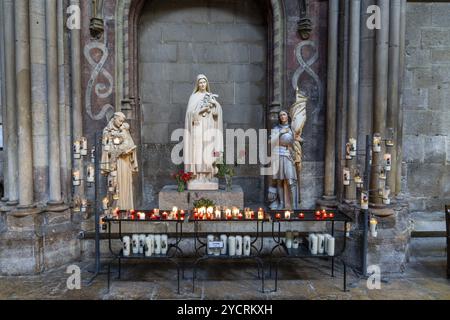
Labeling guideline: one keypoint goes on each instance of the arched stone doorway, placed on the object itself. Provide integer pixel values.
(143, 105)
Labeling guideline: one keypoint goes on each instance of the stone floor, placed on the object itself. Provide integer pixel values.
(424, 279)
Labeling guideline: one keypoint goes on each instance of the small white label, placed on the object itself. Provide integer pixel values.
(215, 244)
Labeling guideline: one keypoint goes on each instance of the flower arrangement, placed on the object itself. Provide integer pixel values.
(182, 178)
(224, 171)
(202, 202)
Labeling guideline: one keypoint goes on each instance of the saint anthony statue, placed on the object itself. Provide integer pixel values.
(203, 141)
(119, 160)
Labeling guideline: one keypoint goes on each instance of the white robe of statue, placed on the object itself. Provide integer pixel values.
(203, 141)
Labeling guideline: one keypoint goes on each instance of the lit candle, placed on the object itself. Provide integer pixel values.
(164, 215)
(252, 214)
(301, 215)
(348, 227)
(376, 142)
(77, 149)
(387, 161)
(218, 215)
(287, 215)
(235, 212)
(210, 210)
(346, 176)
(84, 146)
(278, 216)
(358, 179)
(260, 214)
(228, 212)
(84, 205)
(373, 227)
(175, 209)
(240, 216)
(105, 203)
(195, 215)
(90, 173)
(386, 193)
(156, 212)
(347, 151)
(364, 200)
(76, 178)
(141, 215)
(352, 142)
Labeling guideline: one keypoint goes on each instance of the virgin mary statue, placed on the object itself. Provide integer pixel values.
(203, 141)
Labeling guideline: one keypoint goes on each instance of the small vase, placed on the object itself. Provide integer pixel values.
(180, 187)
(228, 182)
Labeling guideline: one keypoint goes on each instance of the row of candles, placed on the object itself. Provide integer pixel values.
(383, 190)
(231, 245)
(318, 215)
(321, 243)
(152, 244)
(155, 214)
(211, 213)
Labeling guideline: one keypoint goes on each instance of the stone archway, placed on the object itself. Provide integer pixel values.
(127, 16)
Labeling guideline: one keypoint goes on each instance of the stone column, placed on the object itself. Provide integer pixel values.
(39, 100)
(23, 96)
(393, 86)
(52, 104)
(64, 115)
(342, 91)
(11, 113)
(3, 104)
(330, 143)
(399, 145)
(380, 94)
(77, 107)
(353, 87)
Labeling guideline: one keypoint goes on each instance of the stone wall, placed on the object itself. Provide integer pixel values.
(426, 99)
(226, 41)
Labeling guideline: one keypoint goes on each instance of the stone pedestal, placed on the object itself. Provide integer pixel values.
(169, 197)
(37, 241)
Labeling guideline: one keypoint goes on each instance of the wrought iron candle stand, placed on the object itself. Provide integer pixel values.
(365, 188)
(255, 251)
(97, 149)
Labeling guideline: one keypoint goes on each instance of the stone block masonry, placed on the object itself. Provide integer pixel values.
(426, 104)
